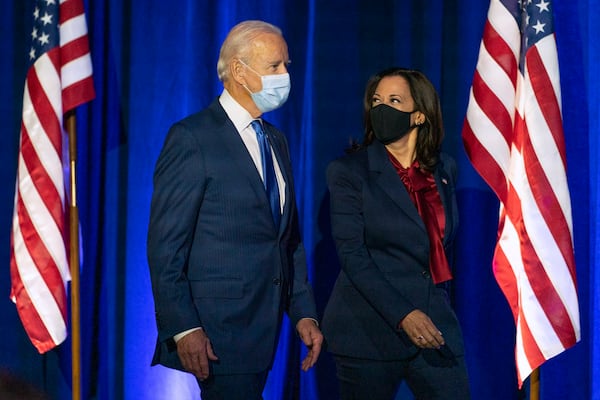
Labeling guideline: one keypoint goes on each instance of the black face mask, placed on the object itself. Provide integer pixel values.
(390, 124)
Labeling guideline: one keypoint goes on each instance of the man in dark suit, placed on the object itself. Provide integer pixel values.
(224, 248)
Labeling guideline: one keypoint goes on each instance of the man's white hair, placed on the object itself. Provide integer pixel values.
(238, 42)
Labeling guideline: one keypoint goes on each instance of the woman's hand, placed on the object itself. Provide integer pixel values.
(421, 330)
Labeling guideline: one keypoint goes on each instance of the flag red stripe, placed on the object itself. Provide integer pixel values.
(549, 104)
(54, 56)
(501, 52)
(542, 286)
(50, 125)
(33, 324)
(549, 207)
(507, 280)
(81, 91)
(535, 357)
(42, 182)
(483, 162)
(78, 93)
(70, 9)
(74, 49)
(43, 260)
(494, 109)
(547, 202)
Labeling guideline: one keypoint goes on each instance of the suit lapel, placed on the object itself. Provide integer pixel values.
(234, 144)
(389, 181)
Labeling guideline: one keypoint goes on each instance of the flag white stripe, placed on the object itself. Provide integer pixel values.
(35, 286)
(76, 71)
(73, 29)
(42, 220)
(539, 235)
(549, 158)
(50, 82)
(44, 149)
(548, 52)
(495, 77)
(505, 25)
(530, 308)
(486, 132)
(523, 366)
(548, 154)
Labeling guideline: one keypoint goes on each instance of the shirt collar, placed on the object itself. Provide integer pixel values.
(240, 117)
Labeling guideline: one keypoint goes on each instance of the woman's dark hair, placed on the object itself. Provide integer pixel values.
(430, 133)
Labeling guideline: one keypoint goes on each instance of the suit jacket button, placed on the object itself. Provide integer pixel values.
(426, 274)
(276, 281)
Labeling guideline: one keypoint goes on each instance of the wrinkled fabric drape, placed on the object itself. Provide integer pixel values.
(155, 62)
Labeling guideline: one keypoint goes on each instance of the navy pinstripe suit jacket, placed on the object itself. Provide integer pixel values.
(383, 248)
(216, 259)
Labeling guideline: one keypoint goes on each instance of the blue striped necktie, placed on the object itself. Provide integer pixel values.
(268, 169)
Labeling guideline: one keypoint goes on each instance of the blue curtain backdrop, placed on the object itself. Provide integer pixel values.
(154, 63)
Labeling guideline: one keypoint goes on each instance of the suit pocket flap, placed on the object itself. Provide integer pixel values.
(223, 289)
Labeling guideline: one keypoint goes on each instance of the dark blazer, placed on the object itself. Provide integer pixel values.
(383, 248)
(216, 259)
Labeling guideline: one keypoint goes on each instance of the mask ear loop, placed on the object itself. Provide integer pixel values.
(251, 69)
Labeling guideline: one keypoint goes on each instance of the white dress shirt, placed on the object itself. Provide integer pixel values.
(241, 120)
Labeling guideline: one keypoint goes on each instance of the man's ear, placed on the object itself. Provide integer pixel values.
(237, 71)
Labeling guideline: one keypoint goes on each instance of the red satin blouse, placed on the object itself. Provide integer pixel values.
(423, 191)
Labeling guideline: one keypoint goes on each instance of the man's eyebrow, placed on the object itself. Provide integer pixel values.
(279, 61)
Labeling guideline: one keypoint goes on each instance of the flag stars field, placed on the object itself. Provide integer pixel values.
(543, 6)
(539, 27)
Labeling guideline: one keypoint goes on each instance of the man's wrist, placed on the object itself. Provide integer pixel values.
(310, 319)
(179, 336)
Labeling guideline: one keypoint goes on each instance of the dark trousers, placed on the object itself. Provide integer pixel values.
(233, 387)
(429, 375)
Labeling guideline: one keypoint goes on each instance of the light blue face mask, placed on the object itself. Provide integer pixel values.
(275, 90)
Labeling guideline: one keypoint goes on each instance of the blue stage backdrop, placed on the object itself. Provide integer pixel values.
(154, 63)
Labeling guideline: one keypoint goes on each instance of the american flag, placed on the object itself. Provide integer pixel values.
(513, 135)
(59, 79)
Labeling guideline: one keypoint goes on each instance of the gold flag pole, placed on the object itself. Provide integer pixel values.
(70, 124)
(534, 385)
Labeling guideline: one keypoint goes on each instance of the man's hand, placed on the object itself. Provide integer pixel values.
(312, 337)
(195, 350)
(421, 330)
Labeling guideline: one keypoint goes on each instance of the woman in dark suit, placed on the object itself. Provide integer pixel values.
(393, 217)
